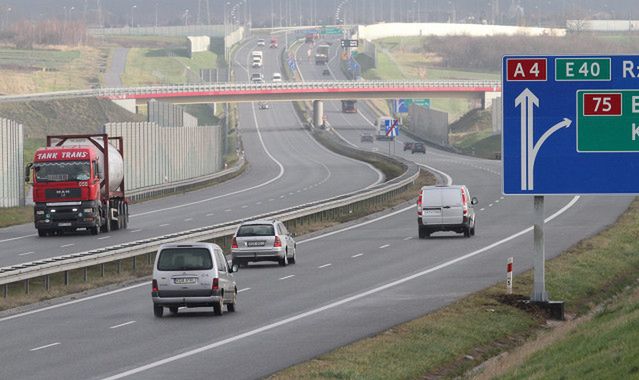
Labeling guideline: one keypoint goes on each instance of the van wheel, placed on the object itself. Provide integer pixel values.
(158, 311)
(467, 232)
(292, 260)
(472, 231)
(423, 233)
(231, 306)
(217, 308)
(173, 310)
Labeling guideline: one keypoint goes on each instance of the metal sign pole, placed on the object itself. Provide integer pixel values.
(539, 280)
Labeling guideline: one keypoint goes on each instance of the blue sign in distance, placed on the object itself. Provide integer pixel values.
(401, 105)
(392, 127)
(545, 100)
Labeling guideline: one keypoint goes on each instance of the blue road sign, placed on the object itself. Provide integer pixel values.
(392, 127)
(570, 125)
(401, 105)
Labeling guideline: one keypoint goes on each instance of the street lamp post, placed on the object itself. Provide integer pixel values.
(132, 9)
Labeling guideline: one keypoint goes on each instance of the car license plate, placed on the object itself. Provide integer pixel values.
(184, 281)
(255, 244)
(64, 224)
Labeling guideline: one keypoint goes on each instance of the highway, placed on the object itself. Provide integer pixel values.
(287, 167)
(347, 285)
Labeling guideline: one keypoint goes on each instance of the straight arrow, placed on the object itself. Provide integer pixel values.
(526, 101)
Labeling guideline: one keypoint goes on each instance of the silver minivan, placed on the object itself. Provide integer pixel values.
(192, 275)
(263, 240)
(445, 208)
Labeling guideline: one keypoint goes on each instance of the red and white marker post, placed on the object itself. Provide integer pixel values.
(509, 276)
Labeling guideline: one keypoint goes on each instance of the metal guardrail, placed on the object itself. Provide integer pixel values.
(232, 88)
(80, 260)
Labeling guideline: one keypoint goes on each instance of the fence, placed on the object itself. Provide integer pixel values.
(11, 164)
(429, 124)
(169, 115)
(155, 156)
(175, 31)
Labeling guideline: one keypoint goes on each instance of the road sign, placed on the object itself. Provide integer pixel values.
(571, 125)
(401, 105)
(331, 30)
(349, 43)
(392, 127)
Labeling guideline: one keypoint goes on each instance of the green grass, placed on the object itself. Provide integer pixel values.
(386, 69)
(16, 215)
(37, 58)
(488, 322)
(148, 66)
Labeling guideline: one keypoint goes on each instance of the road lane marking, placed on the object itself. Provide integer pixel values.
(358, 255)
(122, 325)
(104, 237)
(482, 209)
(490, 205)
(245, 206)
(335, 304)
(287, 277)
(384, 246)
(258, 203)
(210, 214)
(16, 238)
(243, 290)
(408, 238)
(228, 210)
(26, 253)
(188, 219)
(138, 230)
(67, 245)
(497, 201)
(43, 347)
(324, 266)
(165, 224)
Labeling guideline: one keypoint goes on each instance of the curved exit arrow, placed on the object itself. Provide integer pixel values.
(565, 123)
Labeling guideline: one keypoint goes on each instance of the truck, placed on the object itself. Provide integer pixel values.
(348, 106)
(78, 183)
(321, 54)
(380, 125)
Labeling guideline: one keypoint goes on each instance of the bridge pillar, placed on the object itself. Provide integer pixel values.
(318, 113)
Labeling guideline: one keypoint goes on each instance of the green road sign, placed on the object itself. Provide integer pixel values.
(331, 30)
(608, 121)
(582, 69)
(419, 102)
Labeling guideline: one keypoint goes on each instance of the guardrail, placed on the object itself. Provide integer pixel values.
(323, 209)
(238, 88)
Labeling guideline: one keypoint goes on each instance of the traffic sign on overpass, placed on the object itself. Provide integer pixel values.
(571, 125)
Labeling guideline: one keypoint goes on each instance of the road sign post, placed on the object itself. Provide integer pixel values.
(569, 123)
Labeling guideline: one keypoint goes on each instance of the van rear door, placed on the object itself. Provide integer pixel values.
(452, 207)
(432, 206)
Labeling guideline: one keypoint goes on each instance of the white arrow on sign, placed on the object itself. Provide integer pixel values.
(527, 100)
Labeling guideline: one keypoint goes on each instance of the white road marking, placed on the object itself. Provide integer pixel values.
(122, 325)
(324, 266)
(43, 347)
(243, 290)
(26, 253)
(16, 238)
(449, 179)
(408, 238)
(138, 230)
(67, 245)
(490, 205)
(358, 255)
(104, 237)
(333, 305)
(281, 196)
(188, 219)
(497, 201)
(291, 193)
(271, 200)
(245, 206)
(384, 246)
(165, 224)
(284, 278)
(228, 210)
(258, 203)
(501, 198)
(210, 214)
(482, 209)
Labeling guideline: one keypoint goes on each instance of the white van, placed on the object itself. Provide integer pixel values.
(277, 77)
(445, 208)
(257, 62)
(192, 275)
(257, 53)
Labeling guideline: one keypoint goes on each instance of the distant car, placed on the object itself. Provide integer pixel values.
(418, 148)
(263, 240)
(277, 77)
(408, 146)
(326, 72)
(257, 78)
(263, 106)
(261, 42)
(192, 275)
(367, 137)
(274, 43)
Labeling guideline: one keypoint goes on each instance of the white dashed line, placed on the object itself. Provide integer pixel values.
(25, 254)
(408, 238)
(324, 266)
(271, 200)
(501, 198)
(258, 203)
(358, 255)
(228, 210)
(245, 206)
(243, 290)
(384, 246)
(281, 196)
(122, 324)
(284, 278)
(490, 205)
(104, 237)
(43, 347)
(210, 214)
(138, 230)
(497, 201)
(188, 219)
(482, 209)
(165, 224)
(291, 193)
(67, 245)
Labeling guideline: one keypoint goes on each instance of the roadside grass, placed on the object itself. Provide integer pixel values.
(67, 69)
(451, 341)
(16, 215)
(152, 66)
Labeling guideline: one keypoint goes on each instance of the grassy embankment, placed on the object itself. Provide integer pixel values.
(598, 280)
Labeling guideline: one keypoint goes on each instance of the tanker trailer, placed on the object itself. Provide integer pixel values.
(78, 184)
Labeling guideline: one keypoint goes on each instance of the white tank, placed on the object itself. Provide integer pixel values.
(116, 164)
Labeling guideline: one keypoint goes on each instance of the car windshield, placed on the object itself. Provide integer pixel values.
(179, 259)
(256, 230)
(62, 171)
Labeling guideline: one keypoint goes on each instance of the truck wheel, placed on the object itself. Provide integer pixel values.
(94, 230)
(125, 215)
(41, 232)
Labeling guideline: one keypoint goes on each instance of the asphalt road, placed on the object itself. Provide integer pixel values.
(345, 286)
(287, 167)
